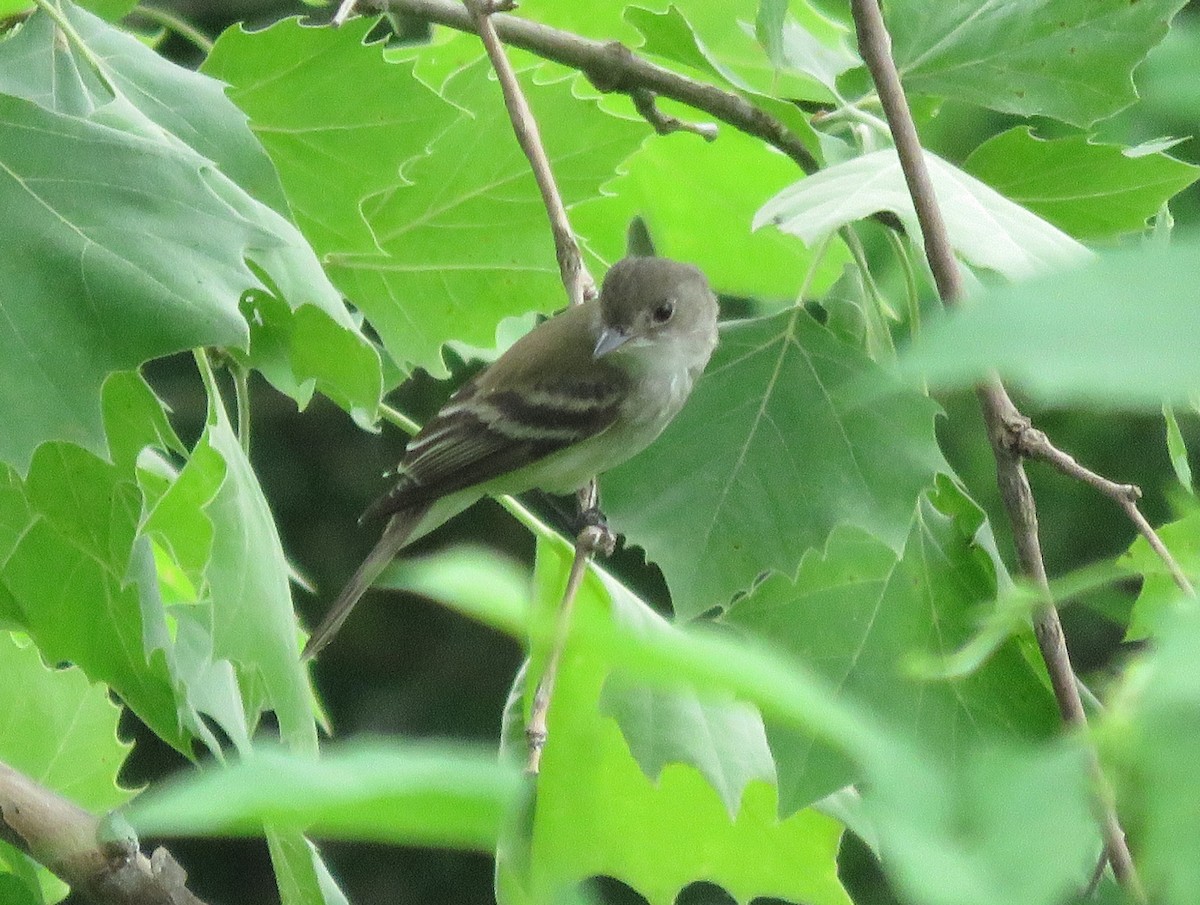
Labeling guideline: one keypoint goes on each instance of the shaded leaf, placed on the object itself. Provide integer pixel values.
(1066, 59)
(1088, 190)
(858, 614)
(774, 449)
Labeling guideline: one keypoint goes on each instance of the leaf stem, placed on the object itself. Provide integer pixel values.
(241, 388)
(177, 24)
(209, 378)
(76, 39)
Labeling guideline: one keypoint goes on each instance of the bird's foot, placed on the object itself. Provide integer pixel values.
(594, 533)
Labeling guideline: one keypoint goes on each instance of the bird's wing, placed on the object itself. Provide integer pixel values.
(483, 433)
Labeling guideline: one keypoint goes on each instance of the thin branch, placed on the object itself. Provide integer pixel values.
(613, 67)
(580, 287)
(1034, 444)
(575, 277)
(70, 842)
(590, 540)
(645, 101)
(1000, 415)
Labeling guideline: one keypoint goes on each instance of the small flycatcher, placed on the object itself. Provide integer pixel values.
(579, 394)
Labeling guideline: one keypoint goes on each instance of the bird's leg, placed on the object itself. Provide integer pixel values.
(593, 531)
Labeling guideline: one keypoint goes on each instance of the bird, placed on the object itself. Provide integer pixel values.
(579, 394)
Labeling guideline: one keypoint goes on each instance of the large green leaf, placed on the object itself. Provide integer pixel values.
(738, 173)
(382, 792)
(859, 614)
(332, 148)
(251, 621)
(775, 449)
(1115, 333)
(1088, 190)
(984, 227)
(74, 575)
(59, 729)
(131, 242)
(1069, 59)
(467, 244)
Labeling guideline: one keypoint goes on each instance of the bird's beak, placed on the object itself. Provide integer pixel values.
(610, 338)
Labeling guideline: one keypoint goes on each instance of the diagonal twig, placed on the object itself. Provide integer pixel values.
(613, 67)
(998, 410)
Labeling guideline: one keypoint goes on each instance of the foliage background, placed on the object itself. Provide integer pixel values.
(405, 665)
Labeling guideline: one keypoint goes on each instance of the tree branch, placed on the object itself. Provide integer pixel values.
(67, 839)
(999, 413)
(580, 286)
(613, 67)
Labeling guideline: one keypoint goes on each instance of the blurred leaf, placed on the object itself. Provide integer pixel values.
(467, 244)
(1002, 824)
(1068, 59)
(1159, 592)
(984, 227)
(738, 172)
(60, 730)
(1115, 333)
(857, 613)
(599, 814)
(1088, 190)
(332, 148)
(773, 451)
(1150, 736)
(768, 28)
(379, 792)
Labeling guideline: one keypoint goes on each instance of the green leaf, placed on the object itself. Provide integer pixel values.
(332, 148)
(252, 623)
(984, 227)
(768, 28)
(60, 730)
(1159, 593)
(1088, 190)
(476, 186)
(76, 578)
(599, 814)
(737, 59)
(1150, 736)
(775, 448)
(1114, 334)
(137, 242)
(738, 172)
(1068, 59)
(410, 795)
(1177, 449)
(300, 873)
(858, 614)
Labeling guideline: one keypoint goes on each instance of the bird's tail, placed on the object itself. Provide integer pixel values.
(395, 536)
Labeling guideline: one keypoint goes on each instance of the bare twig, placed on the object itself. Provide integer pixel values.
(613, 67)
(644, 100)
(1034, 444)
(67, 839)
(998, 412)
(576, 279)
(580, 286)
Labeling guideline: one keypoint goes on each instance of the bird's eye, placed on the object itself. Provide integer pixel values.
(663, 312)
